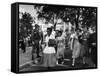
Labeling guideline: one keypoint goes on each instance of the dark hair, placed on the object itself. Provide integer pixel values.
(49, 29)
(60, 32)
(78, 29)
(36, 25)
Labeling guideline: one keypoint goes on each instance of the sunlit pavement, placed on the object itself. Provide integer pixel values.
(26, 64)
(26, 57)
(66, 65)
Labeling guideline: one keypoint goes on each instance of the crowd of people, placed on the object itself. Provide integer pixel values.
(49, 49)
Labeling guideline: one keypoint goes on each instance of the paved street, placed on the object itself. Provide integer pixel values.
(65, 66)
(25, 57)
(26, 63)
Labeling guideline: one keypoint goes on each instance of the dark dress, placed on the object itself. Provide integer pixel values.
(84, 45)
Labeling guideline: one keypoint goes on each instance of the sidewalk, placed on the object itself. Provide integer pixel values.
(25, 58)
(26, 63)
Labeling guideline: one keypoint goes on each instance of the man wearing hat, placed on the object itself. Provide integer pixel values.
(36, 37)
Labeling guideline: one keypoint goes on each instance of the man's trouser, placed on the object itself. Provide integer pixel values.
(94, 55)
(35, 50)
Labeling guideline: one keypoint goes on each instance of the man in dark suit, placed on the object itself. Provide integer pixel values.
(36, 37)
(92, 45)
(22, 45)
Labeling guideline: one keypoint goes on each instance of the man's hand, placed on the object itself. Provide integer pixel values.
(93, 44)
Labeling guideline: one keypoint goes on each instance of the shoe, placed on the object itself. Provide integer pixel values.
(73, 65)
(57, 62)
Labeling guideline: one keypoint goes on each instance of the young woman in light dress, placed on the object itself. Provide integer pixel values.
(75, 47)
(49, 53)
(60, 47)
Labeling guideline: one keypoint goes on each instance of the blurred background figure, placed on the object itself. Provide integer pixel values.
(36, 38)
(22, 45)
(93, 46)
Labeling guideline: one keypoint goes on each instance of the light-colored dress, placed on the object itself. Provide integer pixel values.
(76, 47)
(60, 46)
(49, 57)
(48, 49)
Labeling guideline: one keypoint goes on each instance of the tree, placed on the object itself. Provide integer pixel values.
(89, 17)
(25, 25)
(84, 16)
(50, 13)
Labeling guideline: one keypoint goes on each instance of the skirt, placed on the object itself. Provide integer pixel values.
(76, 50)
(49, 60)
(84, 49)
(60, 52)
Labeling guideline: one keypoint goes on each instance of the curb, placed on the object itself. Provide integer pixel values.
(25, 65)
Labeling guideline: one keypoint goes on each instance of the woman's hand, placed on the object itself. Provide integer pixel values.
(33, 42)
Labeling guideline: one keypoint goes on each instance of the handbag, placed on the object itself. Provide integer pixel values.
(52, 43)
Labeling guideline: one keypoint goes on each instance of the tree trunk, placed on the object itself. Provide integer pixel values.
(77, 19)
